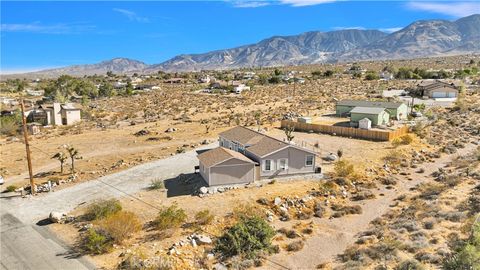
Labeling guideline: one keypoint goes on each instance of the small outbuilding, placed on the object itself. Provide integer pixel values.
(365, 123)
(378, 116)
(222, 166)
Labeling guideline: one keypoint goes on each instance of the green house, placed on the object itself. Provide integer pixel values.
(396, 110)
(378, 116)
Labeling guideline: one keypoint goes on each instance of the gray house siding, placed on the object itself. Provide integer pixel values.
(231, 172)
(295, 162)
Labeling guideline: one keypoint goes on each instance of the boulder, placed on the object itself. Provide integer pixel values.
(331, 157)
(56, 217)
(277, 201)
(203, 190)
(203, 240)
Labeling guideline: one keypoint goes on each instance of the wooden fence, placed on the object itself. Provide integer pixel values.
(374, 135)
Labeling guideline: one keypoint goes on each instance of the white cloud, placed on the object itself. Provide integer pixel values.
(262, 3)
(303, 3)
(455, 9)
(132, 16)
(37, 27)
(250, 4)
(348, 28)
(391, 29)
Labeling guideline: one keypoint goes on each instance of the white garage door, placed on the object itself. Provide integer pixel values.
(439, 94)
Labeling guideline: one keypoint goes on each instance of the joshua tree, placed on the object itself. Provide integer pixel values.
(339, 153)
(60, 156)
(289, 133)
(73, 153)
(258, 119)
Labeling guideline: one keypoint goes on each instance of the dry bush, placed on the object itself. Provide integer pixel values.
(245, 210)
(103, 209)
(295, 246)
(394, 158)
(169, 218)
(203, 217)
(305, 214)
(403, 140)
(120, 225)
(344, 168)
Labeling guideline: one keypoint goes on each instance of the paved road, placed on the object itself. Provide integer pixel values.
(26, 245)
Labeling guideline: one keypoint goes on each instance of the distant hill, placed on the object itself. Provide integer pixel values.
(116, 65)
(310, 47)
(424, 38)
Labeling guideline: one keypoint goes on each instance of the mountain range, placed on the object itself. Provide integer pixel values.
(424, 38)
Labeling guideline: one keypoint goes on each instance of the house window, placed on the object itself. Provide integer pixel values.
(282, 164)
(267, 165)
(309, 161)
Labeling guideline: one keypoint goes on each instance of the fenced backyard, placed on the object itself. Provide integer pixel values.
(374, 135)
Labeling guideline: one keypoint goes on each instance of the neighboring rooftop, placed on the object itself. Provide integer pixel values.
(366, 103)
(220, 154)
(367, 110)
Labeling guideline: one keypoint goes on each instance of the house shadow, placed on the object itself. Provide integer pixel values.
(183, 184)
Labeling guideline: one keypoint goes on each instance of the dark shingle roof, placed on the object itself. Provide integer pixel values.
(220, 154)
(242, 135)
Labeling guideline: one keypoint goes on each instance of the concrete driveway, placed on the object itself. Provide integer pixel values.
(26, 245)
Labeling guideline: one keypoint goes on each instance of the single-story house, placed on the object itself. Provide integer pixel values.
(222, 166)
(378, 116)
(56, 114)
(240, 88)
(246, 155)
(396, 110)
(437, 89)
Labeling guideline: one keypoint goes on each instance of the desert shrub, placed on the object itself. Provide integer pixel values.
(403, 140)
(247, 238)
(291, 234)
(318, 209)
(307, 231)
(157, 184)
(11, 188)
(410, 265)
(329, 187)
(295, 245)
(170, 217)
(96, 242)
(246, 210)
(346, 210)
(103, 209)
(431, 191)
(305, 214)
(203, 217)
(9, 125)
(120, 225)
(363, 195)
(466, 256)
(394, 158)
(343, 168)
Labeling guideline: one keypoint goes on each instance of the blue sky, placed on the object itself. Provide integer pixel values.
(37, 35)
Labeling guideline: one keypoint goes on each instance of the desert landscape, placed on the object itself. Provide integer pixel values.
(251, 136)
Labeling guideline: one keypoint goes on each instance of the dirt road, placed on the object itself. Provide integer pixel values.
(335, 235)
(19, 232)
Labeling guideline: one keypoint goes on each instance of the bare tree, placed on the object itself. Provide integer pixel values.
(60, 156)
(289, 133)
(74, 155)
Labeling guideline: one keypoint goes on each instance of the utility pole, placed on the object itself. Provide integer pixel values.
(27, 148)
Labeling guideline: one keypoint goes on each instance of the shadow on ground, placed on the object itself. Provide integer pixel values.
(183, 184)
